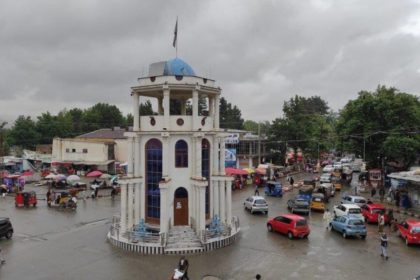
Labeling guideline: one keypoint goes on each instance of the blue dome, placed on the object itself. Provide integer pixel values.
(178, 67)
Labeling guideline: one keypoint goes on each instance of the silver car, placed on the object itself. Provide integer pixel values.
(353, 199)
(256, 204)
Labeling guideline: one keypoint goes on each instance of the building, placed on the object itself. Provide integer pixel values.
(176, 187)
(99, 149)
(247, 149)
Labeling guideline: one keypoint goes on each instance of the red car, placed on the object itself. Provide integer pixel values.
(290, 224)
(371, 212)
(410, 231)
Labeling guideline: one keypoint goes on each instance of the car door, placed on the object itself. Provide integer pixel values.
(277, 223)
(342, 221)
(365, 211)
(281, 224)
(285, 225)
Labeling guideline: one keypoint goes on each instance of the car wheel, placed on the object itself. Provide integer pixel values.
(344, 234)
(9, 234)
(269, 228)
(290, 235)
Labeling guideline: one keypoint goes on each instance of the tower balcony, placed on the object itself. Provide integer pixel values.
(176, 123)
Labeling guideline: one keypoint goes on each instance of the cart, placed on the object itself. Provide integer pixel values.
(273, 188)
(25, 199)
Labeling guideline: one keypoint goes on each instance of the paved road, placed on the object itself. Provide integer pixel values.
(51, 244)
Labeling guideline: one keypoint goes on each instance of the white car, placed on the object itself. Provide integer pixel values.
(328, 169)
(348, 210)
(256, 204)
(337, 165)
(353, 199)
(325, 178)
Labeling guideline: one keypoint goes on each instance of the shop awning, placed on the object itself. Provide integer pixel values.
(93, 162)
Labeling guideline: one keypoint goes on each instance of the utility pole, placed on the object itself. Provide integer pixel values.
(259, 143)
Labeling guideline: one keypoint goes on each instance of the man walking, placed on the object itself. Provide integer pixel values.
(256, 192)
(384, 246)
(327, 217)
(381, 222)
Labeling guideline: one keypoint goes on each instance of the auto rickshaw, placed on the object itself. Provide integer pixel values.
(25, 199)
(327, 189)
(336, 181)
(273, 188)
(62, 200)
(318, 202)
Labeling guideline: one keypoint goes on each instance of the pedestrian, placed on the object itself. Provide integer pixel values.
(397, 198)
(292, 181)
(2, 260)
(390, 216)
(96, 191)
(49, 196)
(327, 217)
(381, 194)
(384, 246)
(256, 192)
(381, 222)
(372, 192)
(258, 277)
(183, 267)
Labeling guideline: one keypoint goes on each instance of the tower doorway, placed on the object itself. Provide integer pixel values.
(181, 207)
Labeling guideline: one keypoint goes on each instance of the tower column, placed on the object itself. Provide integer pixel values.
(195, 108)
(202, 210)
(166, 105)
(228, 202)
(164, 208)
(215, 160)
(222, 201)
(130, 206)
(217, 112)
(130, 152)
(160, 105)
(222, 157)
(165, 155)
(198, 157)
(136, 186)
(123, 218)
(136, 112)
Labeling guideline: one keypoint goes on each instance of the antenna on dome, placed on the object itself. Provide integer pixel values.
(175, 42)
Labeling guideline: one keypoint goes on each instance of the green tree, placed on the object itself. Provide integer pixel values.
(146, 109)
(23, 133)
(102, 115)
(230, 116)
(402, 148)
(366, 123)
(49, 126)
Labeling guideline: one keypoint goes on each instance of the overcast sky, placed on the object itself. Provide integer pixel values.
(66, 54)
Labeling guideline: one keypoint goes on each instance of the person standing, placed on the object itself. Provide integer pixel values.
(381, 194)
(381, 222)
(292, 181)
(327, 217)
(390, 216)
(183, 267)
(384, 246)
(397, 198)
(372, 192)
(2, 260)
(256, 192)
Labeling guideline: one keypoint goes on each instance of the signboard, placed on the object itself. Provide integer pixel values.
(232, 138)
(230, 157)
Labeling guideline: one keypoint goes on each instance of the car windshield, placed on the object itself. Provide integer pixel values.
(378, 211)
(415, 230)
(354, 211)
(301, 202)
(301, 223)
(358, 200)
(356, 222)
(260, 201)
(317, 199)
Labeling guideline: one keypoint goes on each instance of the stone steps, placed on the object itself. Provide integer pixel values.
(182, 238)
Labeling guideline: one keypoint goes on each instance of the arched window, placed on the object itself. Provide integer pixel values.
(205, 171)
(181, 154)
(153, 151)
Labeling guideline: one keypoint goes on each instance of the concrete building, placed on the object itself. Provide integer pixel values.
(176, 183)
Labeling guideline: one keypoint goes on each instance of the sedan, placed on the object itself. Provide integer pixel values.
(349, 226)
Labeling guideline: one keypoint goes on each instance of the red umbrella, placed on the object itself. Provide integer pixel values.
(234, 171)
(95, 173)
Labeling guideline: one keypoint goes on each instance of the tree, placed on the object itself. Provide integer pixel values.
(102, 115)
(401, 148)
(23, 133)
(230, 116)
(49, 126)
(366, 122)
(2, 142)
(146, 109)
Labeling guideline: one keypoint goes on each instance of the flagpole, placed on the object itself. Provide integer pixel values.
(175, 42)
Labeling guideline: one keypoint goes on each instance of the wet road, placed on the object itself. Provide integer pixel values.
(52, 244)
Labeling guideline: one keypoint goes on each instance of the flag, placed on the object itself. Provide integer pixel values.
(175, 33)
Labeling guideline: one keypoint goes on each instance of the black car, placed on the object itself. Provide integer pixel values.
(6, 228)
(299, 205)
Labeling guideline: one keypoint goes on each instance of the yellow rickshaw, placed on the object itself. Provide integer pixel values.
(318, 202)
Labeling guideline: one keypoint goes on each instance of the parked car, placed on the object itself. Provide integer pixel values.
(290, 224)
(6, 228)
(371, 212)
(349, 226)
(299, 205)
(354, 199)
(409, 230)
(256, 204)
(325, 178)
(328, 169)
(348, 210)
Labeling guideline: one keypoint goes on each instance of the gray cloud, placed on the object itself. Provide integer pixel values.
(57, 54)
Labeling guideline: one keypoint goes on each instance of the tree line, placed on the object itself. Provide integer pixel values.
(382, 125)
